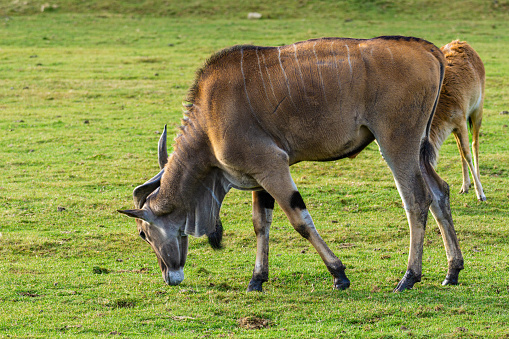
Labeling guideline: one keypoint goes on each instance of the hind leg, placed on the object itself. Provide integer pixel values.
(476, 119)
(416, 199)
(263, 205)
(466, 184)
(461, 135)
(440, 208)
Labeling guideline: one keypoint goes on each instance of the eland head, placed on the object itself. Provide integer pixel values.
(166, 214)
(158, 226)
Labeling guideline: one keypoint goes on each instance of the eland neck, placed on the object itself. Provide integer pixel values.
(191, 185)
(186, 167)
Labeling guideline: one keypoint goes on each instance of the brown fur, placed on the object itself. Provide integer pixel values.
(461, 103)
(257, 110)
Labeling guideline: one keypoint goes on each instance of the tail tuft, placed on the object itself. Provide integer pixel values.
(428, 153)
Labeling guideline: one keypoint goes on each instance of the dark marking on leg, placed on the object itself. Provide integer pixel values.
(340, 280)
(424, 217)
(297, 202)
(256, 282)
(453, 272)
(456, 264)
(452, 277)
(265, 200)
(255, 285)
(302, 230)
(408, 281)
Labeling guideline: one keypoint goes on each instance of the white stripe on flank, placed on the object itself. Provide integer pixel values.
(361, 49)
(286, 78)
(245, 89)
(268, 74)
(244, 78)
(390, 52)
(300, 70)
(336, 64)
(320, 74)
(261, 75)
(349, 61)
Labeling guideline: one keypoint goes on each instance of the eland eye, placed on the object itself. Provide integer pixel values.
(143, 236)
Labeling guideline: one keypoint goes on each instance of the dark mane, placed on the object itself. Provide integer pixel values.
(383, 37)
(401, 37)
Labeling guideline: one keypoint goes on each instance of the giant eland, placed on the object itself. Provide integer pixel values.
(255, 111)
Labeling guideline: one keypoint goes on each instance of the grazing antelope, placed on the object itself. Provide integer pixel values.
(255, 111)
(461, 100)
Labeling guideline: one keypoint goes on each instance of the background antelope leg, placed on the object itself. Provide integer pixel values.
(476, 120)
(464, 148)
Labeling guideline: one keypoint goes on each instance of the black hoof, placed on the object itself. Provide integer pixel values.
(255, 285)
(452, 277)
(341, 282)
(216, 237)
(408, 281)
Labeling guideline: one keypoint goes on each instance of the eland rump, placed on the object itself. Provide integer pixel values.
(255, 111)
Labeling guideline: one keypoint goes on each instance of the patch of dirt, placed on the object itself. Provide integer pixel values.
(124, 303)
(253, 323)
(141, 270)
(100, 270)
(29, 294)
(182, 318)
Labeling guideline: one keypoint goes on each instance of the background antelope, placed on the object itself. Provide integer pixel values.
(461, 101)
(257, 110)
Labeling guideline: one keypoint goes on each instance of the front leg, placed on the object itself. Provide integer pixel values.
(302, 222)
(263, 205)
(277, 181)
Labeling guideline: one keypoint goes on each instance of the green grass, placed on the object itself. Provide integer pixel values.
(85, 91)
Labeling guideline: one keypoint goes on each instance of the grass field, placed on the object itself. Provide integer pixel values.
(85, 90)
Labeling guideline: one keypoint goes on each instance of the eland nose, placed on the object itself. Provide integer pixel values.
(174, 278)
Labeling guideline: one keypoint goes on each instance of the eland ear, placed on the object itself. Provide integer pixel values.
(136, 213)
(141, 192)
(162, 150)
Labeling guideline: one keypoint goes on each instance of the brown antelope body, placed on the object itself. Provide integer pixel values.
(257, 110)
(461, 101)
